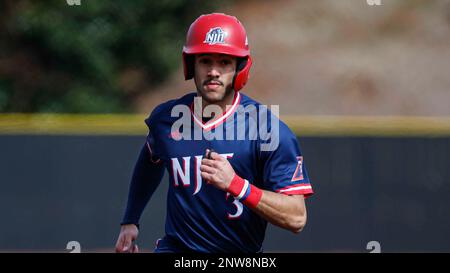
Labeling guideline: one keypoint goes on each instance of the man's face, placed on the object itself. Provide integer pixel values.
(214, 76)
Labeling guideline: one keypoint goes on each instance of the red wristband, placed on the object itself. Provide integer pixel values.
(236, 185)
(247, 193)
(254, 197)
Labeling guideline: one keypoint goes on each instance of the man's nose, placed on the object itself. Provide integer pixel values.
(213, 71)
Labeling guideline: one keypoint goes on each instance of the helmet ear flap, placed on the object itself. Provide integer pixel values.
(188, 66)
(242, 73)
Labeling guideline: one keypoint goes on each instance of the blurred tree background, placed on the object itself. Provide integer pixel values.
(93, 58)
(334, 57)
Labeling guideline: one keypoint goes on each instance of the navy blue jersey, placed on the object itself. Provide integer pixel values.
(199, 216)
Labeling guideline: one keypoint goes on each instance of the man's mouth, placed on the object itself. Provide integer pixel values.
(213, 83)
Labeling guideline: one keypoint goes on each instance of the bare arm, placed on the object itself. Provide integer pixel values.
(288, 212)
(285, 211)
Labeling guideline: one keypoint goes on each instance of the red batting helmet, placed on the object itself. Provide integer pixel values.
(218, 33)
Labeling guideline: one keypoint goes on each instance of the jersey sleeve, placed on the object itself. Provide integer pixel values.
(152, 136)
(147, 174)
(152, 147)
(284, 167)
(146, 178)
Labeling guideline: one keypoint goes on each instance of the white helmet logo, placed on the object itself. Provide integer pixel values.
(215, 36)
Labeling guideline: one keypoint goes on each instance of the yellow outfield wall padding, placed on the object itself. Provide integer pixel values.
(133, 124)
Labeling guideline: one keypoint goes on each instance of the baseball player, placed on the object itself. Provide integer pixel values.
(223, 190)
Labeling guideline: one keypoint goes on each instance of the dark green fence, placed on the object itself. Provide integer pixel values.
(394, 190)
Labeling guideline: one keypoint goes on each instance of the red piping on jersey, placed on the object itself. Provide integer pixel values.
(151, 154)
(291, 190)
(213, 124)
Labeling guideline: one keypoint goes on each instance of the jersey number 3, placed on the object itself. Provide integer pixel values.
(239, 208)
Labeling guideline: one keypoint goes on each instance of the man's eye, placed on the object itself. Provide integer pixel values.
(226, 62)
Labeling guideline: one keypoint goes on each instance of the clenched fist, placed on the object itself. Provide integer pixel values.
(217, 171)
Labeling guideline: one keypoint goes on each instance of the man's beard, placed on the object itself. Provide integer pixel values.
(228, 91)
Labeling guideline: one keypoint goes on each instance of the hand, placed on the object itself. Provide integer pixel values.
(217, 171)
(127, 236)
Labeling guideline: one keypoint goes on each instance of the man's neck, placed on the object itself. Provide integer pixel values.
(227, 101)
(224, 104)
